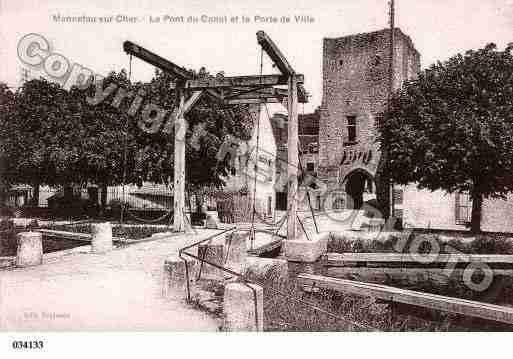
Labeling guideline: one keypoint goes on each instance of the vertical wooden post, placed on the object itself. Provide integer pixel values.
(179, 165)
(292, 159)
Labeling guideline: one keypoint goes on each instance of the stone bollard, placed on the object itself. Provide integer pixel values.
(175, 279)
(102, 237)
(30, 249)
(214, 253)
(212, 220)
(239, 308)
(236, 250)
(272, 269)
(304, 250)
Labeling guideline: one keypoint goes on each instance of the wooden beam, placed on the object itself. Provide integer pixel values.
(251, 101)
(274, 53)
(350, 259)
(260, 94)
(191, 101)
(244, 93)
(236, 101)
(157, 61)
(240, 81)
(292, 160)
(179, 164)
(269, 95)
(406, 276)
(427, 300)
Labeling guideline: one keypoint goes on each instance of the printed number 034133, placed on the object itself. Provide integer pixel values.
(26, 344)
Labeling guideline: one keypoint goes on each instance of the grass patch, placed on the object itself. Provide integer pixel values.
(286, 312)
(387, 243)
(343, 243)
(500, 291)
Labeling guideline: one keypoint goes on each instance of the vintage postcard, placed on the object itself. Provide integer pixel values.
(271, 166)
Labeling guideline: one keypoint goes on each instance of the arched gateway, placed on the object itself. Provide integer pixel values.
(359, 187)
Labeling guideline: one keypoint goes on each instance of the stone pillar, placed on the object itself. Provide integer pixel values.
(304, 250)
(212, 220)
(213, 253)
(268, 268)
(240, 310)
(102, 237)
(30, 249)
(175, 280)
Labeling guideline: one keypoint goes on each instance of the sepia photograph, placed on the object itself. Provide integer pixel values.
(246, 167)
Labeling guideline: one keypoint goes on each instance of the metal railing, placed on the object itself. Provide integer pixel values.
(243, 280)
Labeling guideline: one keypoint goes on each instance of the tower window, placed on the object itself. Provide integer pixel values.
(351, 129)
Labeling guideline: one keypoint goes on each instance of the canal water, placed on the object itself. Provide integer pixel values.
(9, 244)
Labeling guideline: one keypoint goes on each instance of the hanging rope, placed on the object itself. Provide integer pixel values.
(301, 168)
(155, 220)
(256, 155)
(125, 155)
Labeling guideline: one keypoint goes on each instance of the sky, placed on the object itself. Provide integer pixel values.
(438, 28)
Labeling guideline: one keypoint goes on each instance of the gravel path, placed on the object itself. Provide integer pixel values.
(120, 290)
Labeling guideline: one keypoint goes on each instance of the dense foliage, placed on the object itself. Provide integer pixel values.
(56, 137)
(452, 127)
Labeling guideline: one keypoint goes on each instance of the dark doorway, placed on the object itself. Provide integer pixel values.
(356, 183)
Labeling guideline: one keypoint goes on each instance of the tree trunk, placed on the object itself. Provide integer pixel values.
(382, 180)
(477, 204)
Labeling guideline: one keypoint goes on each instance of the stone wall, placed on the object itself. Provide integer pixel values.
(355, 83)
(244, 175)
(436, 210)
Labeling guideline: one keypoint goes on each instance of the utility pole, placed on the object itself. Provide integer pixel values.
(392, 49)
(391, 88)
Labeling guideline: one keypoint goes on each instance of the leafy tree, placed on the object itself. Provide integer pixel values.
(108, 136)
(6, 105)
(36, 143)
(452, 128)
(6, 95)
(55, 137)
(58, 137)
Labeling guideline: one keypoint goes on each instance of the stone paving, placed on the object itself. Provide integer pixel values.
(120, 290)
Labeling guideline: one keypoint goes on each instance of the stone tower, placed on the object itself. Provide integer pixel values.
(356, 83)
